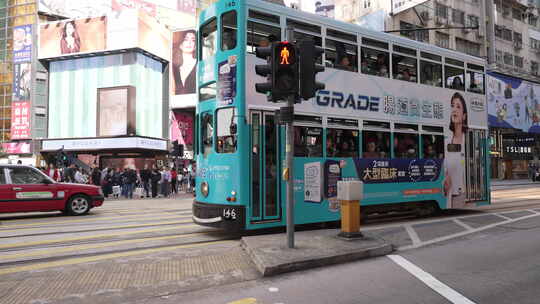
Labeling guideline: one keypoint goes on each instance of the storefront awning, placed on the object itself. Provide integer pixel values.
(109, 143)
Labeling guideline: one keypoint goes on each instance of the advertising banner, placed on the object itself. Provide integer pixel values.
(120, 5)
(73, 36)
(20, 120)
(399, 6)
(22, 43)
(513, 103)
(181, 129)
(397, 170)
(22, 80)
(16, 147)
(184, 63)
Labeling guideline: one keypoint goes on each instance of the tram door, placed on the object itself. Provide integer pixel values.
(265, 164)
(476, 165)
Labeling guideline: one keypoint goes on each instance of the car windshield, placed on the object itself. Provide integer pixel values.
(27, 175)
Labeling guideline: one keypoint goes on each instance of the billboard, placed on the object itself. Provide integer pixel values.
(116, 111)
(126, 29)
(20, 120)
(399, 6)
(183, 70)
(20, 147)
(513, 103)
(22, 81)
(181, 129)
(72, 36)
(22, 43)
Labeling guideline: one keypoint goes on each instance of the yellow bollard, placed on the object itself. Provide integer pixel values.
(349, 194)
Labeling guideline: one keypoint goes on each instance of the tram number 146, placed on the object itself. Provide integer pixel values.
(229, 214)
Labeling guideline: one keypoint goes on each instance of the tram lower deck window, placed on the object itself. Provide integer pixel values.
(375, 144)
(226, 122)
(405, 145)
(341, 143)
(207, 133)
(433, 146)
(308, 142)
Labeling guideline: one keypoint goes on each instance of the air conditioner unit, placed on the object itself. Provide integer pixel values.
(518, 45)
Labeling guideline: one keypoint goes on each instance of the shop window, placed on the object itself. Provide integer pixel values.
(433, 146)
(308, 142)
(375, 144)
(341, 143)
(208, 39)
(431, 73)
(226, 124)
(207, 133)
(228, 31)
(405, 145)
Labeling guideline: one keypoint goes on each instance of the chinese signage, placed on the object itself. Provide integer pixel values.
(398, 170)
(16, 147)
(399, 6)
(20, 120)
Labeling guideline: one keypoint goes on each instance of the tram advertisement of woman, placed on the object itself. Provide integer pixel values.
(454, 179)
(184, 62)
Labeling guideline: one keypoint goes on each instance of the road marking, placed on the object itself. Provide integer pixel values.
(244, 301)
(101, 227)
(95, 236)
(462, 224)
(273, 289)
(441, 288)
(413, 235)
(463, 233)
(503, 216)
(93, 246)
(89, 218)
(108, 256)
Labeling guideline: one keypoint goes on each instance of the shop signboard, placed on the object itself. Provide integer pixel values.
(22, 43)
(20, 120)
(21, 147)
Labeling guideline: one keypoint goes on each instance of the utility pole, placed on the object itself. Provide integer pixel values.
(289, 155)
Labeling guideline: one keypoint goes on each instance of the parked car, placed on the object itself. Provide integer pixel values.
(27, 189)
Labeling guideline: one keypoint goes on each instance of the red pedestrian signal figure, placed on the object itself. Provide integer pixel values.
(284, 56)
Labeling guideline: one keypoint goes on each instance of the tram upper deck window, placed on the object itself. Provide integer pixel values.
(431, 73)
(374, 62)
(475, 79)
(207, 133)
(264, 16)
(375, 144)
(454, 78)
(261, 35)
(341, 55)
(228, 31)
(227, 125)
(303, 26)
(404, 68)
(308, 142)
(207, 92)
(208, 39)
(405, 145)
(341, 143)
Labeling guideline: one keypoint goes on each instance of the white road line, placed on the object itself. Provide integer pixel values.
(451, 236)
(441, 288)
(502, 216)
(413, 235)
(533, 211)
(462, 224)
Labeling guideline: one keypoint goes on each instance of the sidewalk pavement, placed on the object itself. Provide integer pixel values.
(271, 255)
(511, 182)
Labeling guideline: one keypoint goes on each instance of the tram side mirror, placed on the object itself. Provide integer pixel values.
(453, 147)
(233, 129)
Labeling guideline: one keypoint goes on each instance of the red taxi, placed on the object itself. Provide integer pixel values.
(27, 189)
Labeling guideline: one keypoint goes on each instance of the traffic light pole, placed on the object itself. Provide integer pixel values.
(289, 154)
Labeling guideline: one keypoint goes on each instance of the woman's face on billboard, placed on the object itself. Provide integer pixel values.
(188, 44)
(69, 29)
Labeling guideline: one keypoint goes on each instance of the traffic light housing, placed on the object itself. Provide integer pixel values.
(178, 150)
(285, 74)
(309, 69)
(280, 70)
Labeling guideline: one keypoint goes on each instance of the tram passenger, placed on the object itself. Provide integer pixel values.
(381, 66)
(371, 149)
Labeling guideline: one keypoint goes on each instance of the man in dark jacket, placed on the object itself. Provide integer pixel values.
(156, 177)
(145, 178)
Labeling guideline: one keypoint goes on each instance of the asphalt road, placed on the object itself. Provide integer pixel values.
(500, 265)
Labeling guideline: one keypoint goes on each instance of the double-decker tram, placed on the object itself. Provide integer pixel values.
(407, 118)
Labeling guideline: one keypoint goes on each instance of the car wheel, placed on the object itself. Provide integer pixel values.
(78, 205)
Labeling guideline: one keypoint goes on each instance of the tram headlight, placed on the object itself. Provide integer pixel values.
(205, 189)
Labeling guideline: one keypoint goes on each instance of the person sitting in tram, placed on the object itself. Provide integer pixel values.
(371, 149)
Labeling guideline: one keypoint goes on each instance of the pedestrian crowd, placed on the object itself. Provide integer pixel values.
(115, 182)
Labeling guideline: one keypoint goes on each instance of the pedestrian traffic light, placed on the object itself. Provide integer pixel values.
(264, 70)
(178, 150)
(309, 69)
(285, 73)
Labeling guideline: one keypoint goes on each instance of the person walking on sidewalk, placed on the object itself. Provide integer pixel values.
(146, 174)
(155, 178)
(174, 181)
